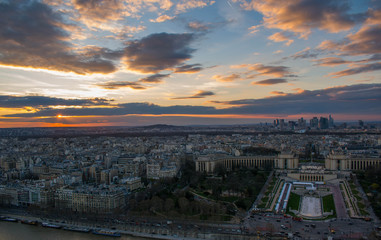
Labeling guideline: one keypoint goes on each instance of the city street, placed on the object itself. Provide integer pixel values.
(342, 228)
(260, 224)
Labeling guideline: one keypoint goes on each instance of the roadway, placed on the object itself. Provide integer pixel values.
(251, 225)
(337, 228)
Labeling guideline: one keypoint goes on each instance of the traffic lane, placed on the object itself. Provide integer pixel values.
(341, 227)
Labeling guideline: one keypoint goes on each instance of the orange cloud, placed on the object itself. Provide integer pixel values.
(278, 93)
(105, 14)
(230, 78)
(162, 18)
(300, 16)
(331, 61)
(254, 29)
(198, 26)
(95, 13)
(184, 5)
(281, 37)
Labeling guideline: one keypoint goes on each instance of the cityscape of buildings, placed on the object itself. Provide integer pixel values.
(100, 174)
(190, 119)
(117, 164)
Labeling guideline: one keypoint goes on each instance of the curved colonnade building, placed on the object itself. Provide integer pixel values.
(208, 163)
(288, 161)
(341, 162)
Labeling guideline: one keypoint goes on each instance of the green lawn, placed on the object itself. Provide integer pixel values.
(261, 205)
(329, 204)
(293, 201)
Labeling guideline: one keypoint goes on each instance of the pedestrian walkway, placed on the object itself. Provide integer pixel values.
(341, 211)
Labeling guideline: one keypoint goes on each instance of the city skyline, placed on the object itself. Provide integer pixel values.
(130, 63)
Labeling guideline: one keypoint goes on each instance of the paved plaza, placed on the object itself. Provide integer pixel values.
(311, 207)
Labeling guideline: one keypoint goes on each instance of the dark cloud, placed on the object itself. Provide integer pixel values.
(334, 61)
(375, 57)
(199, 94)
(202, 93)
(7, 101)
(267, 70)
(365, 41)
(157, 52)
(306, 53)
(354, 99)
(301, 16)
(33, 35)
(121, 84)
(270, 81)
(190, 68)
(358, 69)
(122, 109)
(156, 78)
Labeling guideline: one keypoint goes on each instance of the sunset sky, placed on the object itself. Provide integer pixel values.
(142, 62)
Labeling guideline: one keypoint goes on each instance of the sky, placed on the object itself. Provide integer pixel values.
(187, 62)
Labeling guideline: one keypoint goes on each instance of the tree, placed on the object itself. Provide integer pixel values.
(216, 191)
(374, 186)
(169, 204)
(157, 204)
(183, 204)
(220, 170)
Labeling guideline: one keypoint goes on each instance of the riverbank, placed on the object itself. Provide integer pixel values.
(141, 231)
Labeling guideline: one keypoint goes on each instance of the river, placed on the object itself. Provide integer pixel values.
(18, 231)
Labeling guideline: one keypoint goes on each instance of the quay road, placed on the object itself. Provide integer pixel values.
(337, 228)
(260, 225)
(138, 226)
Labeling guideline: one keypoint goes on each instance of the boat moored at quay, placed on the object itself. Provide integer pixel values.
(8, 219)
(77, 229)
(106, 233)
(49, 225)
(29, 222)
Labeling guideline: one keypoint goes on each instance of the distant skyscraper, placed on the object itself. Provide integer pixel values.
(301, 123)
(291, 125)
(282, 124)
(330, 122)
(314, 122)
(323, 123)
(361, 123)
